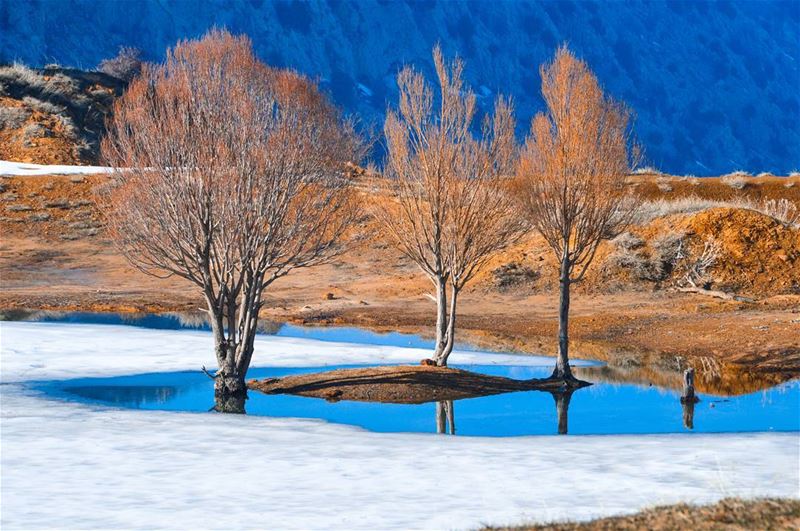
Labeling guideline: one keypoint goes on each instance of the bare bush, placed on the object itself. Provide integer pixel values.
(696, 271)
(664, 184)
(43, 106)
(628, 241)
(652, 265)
(18, 73)
(514, 274)
(668, 250)
(34, 130)
(647, 170)
(783, 210)
(125, 66)
(737, 180)
(13, 117)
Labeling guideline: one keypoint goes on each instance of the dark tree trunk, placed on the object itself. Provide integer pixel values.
(562, 399)
(562, 370)
(441, 319)
(450, 331)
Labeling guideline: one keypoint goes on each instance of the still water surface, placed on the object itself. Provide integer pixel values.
(603, 408)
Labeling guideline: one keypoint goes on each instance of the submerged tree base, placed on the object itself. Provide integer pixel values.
(404, 384)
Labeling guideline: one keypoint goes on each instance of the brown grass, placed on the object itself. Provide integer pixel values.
(730, 514)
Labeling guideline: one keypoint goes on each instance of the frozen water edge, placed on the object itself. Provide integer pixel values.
(67, 465)
(26, 168)
(39, 351)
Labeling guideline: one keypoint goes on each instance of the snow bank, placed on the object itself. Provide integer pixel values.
(24, 168)
(66, 465)
(39, 351)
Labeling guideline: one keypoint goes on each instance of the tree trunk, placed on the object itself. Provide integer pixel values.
(441, 318)
(450, 332)
(562, 370)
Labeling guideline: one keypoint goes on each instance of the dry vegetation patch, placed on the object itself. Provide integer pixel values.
(730, 514)
(53, 115)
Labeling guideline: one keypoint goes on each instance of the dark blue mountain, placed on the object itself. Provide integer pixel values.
(715, 85)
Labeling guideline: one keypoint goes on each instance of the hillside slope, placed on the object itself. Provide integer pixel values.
(713, 84)
(54, 115)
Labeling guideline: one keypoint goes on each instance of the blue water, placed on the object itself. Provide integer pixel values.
(603, 408)
(599, 409)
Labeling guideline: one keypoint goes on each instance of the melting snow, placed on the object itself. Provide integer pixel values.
(24, 168)
(68, 465)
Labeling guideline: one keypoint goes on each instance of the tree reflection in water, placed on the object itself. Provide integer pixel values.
(127, 395)
(445, 417)
(445, 412)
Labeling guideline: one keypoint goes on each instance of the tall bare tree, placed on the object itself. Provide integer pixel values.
(229, 174)
(449, 210)
(572, 175)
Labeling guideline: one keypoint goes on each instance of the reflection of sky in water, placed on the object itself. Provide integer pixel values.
(599, 409)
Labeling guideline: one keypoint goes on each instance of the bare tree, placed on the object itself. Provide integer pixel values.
(572, 175)
(228, 174)
(126, 65)
(449, 211)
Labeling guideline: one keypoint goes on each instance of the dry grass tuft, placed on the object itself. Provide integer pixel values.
(730, 514)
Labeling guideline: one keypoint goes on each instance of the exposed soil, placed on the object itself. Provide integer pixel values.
(403, 384)
(730, 514)
(54, 255)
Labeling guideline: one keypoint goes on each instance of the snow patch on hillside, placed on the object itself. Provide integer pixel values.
(27, 169)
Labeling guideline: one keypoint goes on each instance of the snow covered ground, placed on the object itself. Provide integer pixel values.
(68, 465)
(24, 168)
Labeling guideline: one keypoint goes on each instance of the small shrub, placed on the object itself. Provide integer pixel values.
(628, 241)
(736, 180)
(13, 117)
(696, 271)
(125, 66)
(34, 131)
(19, 208)
(39, 216)
(783, 210)
(765, 174)
(668, 250)
(513, 274)
(794, 173)
(789, 184)
(663, 184)
(646, 170)
(20, 74)
(43, 106)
